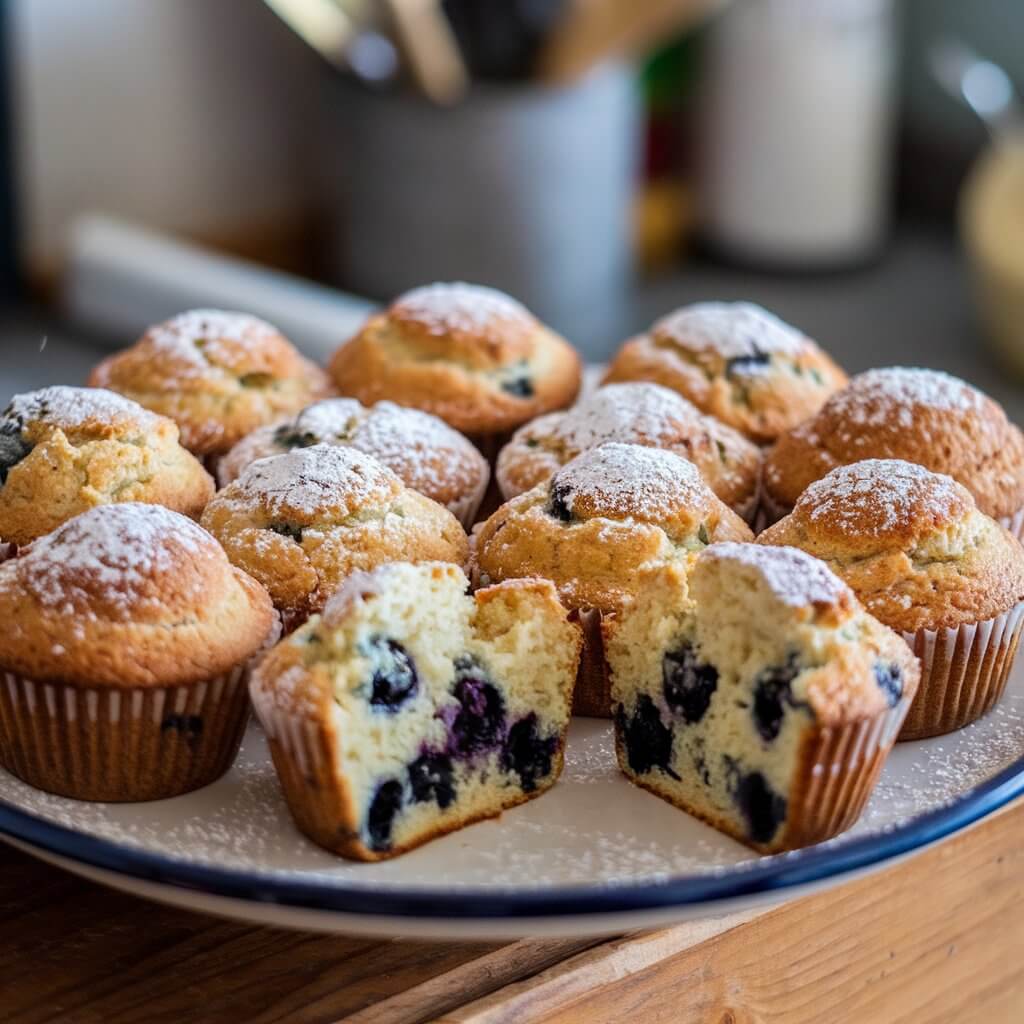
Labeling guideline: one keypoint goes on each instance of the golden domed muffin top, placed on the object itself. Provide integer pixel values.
(128, 595)
(64, 450)
(911, 543)
(633, 413)
(218, 374)
(427, 454)
(735, 361)
(303, 521)
(469, 354)
(922, 416)
(600, 518)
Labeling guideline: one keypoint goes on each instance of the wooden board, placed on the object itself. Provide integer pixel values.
(939, 938)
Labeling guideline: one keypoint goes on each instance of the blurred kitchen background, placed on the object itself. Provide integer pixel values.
(602, 160)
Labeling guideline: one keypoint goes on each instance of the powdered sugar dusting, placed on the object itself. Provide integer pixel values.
(69, 408)
(626, 413)
(894, 395)
(113, 551)
(876, 496)
(795, 577)
(628, 479)
(330, 419)
(308, 479)
(730, 329)
(195, 337)
(459, 307)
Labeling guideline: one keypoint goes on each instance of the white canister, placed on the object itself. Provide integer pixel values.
(796, 131)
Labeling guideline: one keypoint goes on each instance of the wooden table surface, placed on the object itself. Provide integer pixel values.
(938, 938)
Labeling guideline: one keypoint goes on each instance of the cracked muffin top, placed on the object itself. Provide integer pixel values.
(218, 375)
(128, 595)
(65, 450)
(599, 519)
(633, 413)
(911, 543)
(469, 354)
(301, 522)
(427, 454)
(923, 416)
(736, 362)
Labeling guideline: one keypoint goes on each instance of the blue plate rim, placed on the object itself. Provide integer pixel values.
(767, 875)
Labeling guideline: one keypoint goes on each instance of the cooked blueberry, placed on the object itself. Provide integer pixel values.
(559, 507)
(772, 692)
(519, 387)
(528, 754)
(687, 684)
(430, 777)
(890, 682)
(287, 530)
(12, 448)
(763, 808)
(394, 679)
(287, 436)
(387, 802)
(647, 740)
(480, 719)
(256, 380)
(190, 726)
(747, 364)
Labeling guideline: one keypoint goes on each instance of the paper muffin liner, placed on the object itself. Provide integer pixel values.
(120, 745)
(592, 695)
(963, 672)
(838, 769)
(465, 509)
(768, 512)
(1014, 523)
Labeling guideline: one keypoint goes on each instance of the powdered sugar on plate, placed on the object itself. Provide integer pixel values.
(732, 330)
(878, 496)
(442, 308)
(307, 480)
(70, 408)
(895, 395)
(795, 577)
(630, 480)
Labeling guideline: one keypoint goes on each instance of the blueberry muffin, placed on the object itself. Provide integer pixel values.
(736, 362)
(634, 413)
(922, 416)
(408, 709)
(758, 696)
(127, 641)
(592, 528)
(218, 375)
(471, 355)
(923, 560)
(303, 521)
(425, 453)
(65, 450)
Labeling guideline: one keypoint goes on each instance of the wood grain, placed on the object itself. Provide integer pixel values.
(936, 940)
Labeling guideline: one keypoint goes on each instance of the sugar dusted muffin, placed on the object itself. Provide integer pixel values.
(469, 354)
(762, 698)
(408, 709)
(127, 640)
(425, 453)
(65, 450)
(735, 361)
(925, 561)
(922, 416)
(634, 413)
(593, 527)
(303, 521)
(218, 375)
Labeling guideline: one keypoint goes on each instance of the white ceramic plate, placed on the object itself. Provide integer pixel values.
(594, 855)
